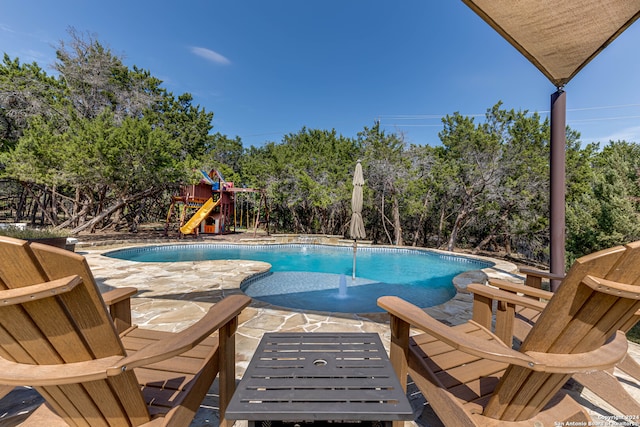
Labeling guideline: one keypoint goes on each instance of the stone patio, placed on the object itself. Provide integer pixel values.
(174, 295)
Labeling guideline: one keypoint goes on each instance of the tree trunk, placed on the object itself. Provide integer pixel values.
(423, 215)
(397, 224)
(484, 242)
(119, 204)
(21, 204)
(75, 218)
(441, 226)
(77, 208)
(507, 243)
(41, 205)
(384, 220)
(53, 206)
(453, 237)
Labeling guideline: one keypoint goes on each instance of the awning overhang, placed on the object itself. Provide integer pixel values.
(558, 37)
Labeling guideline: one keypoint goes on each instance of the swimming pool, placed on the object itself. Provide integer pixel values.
(309, 277)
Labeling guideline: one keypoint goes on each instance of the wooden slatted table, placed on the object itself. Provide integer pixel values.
(310, 377)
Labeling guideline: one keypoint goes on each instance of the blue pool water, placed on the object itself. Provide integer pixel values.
(309, 277)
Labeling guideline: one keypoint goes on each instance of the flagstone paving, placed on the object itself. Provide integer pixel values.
(171, 296)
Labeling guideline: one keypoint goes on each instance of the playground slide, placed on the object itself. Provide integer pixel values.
(199, 216)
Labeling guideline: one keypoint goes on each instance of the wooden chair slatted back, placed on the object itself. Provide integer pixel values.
(71, 327)
(577, 319)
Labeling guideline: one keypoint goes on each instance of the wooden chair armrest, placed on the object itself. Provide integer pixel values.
(119, 303)
(38, 291)
(494, 350)
(521, 289)
(604, 357)
(14, 373)
(19, 374)
(533, 277)
(504, 296)
(540, 273)
(117, 295)
(219, 315)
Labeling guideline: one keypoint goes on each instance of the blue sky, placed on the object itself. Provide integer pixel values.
(268, 68)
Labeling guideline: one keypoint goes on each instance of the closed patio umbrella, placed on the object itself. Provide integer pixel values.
(357, 224)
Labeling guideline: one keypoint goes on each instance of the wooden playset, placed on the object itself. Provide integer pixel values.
(214, 202)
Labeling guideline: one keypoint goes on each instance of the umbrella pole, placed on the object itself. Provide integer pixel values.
(355, 243)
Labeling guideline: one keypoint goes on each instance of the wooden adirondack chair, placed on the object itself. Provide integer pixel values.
(471, 377)
(56, 334)
(518, 309)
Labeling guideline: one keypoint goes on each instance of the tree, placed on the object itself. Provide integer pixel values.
(96, 80)
(603, 208)
(385, 170)
(100, 140)
(26, 91)
(223, 154)
(517, 214)
(308, 179)
(471, 157)
(420, 194)
(189, 124)
(109, 166)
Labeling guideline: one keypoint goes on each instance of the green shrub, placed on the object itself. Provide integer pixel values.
(32, 233)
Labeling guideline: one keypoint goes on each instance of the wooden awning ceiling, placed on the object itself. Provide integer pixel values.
(559, 37)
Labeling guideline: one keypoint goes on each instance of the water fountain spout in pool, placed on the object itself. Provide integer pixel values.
(342, 288)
